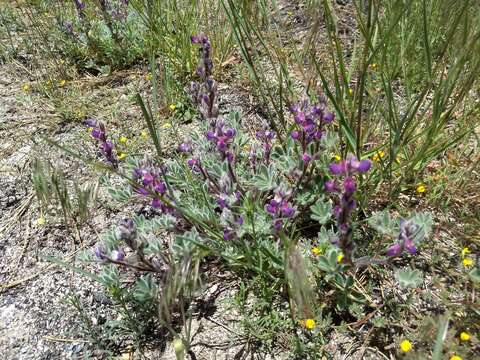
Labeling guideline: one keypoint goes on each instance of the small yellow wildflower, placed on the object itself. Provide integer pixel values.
(397, 159)
(246, 148)
(421, 188)
(62, 83)
(167, 126)
(172, 107)
(41, 220)
(123, 139)
(89, 130)
(373, 66)
(122, 156)
(406, 346)
(309, 324)
(337, 157)
(144, 134)
(350, 91)
(148, 77)
(62, 61)
(467, 262)
(340, 258)
(465, 251)
(26, 88)
(464, 336)
(455, 357)
(378, 155)
(316, 251)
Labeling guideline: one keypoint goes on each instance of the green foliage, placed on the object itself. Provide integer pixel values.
(408, 277)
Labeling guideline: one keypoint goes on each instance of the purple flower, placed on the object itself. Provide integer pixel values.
(117, 255)
(156, 203)
(306, 158)
(100, 252)
(394, 250)
(185, 146)
(295, 135)
(337, 168)
(330, 186)
(228, 234)
(328, 117)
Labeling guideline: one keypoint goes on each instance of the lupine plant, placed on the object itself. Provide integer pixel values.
(247, 199)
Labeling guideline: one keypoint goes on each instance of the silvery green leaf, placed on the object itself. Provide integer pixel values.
(425, 223)
(475, 275)
(383, 223)
(154, 246)
(327, 262)
(266, 179)
(145, 289)
(109, 276)
(325, 236)
(330, 140)
(408, 277)
(85, 255)
(321, 211)
(121, 194)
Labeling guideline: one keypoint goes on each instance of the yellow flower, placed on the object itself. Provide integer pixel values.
(340, 257)
(26, 88)
(455, 357)
(397, 159)
(144, 134)
(373, 66)
(148, 77)
(406, 346)
(122, 156)
(90, 129)
(350, 91)
(378, 155)
(62, 61)
(172, 107)
(467, 262)
(337, 157)
(123, 139)
(316, 251)
(421, 188)
(464, 336)
(167, 126)
(246, 148)
(41, 220)
(465, 251)
(62, 83)
(309, 324)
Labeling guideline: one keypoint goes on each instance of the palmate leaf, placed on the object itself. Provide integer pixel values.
(321, 211)
(408, 277)
(265, 180)
(383, 223)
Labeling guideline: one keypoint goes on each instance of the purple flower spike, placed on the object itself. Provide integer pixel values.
(295, 135)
